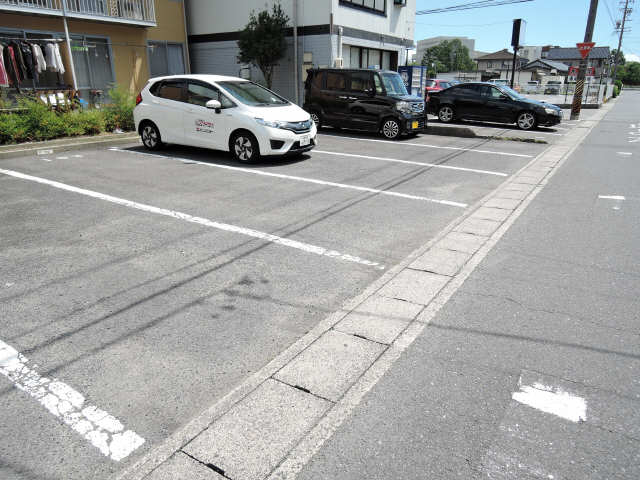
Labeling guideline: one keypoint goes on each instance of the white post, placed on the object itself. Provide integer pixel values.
(295, 50)
(66, 35)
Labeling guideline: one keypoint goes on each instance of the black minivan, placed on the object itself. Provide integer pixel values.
(360, 99)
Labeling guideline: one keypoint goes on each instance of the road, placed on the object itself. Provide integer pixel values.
(531, 370)
(141, 289)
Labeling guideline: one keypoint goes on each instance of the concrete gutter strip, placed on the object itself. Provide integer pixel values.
(65, 144)
(272, 424)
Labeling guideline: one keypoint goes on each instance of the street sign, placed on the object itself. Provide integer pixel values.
(585, 48)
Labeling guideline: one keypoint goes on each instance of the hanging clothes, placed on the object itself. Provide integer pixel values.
(59, 61)
(27, 56)
(11, 67)
(4, 77)
(38, 58)
(50, 56)
(22, 68)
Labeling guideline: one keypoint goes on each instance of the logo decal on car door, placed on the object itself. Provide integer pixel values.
(204, 126)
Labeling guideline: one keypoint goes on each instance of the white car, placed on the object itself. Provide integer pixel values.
(222, 113)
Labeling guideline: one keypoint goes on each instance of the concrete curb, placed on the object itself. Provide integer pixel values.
(64, 145)
(382, 321)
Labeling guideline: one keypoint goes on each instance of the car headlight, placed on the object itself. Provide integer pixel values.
(270, 123)
(551, 111)
(403, 107)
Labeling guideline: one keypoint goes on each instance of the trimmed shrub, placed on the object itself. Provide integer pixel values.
(39, 121)
(119, 113)
(616, 91)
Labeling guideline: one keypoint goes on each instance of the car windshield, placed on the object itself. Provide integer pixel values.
(511, 92)
(252, 94)
(445, 85)
(393, 84)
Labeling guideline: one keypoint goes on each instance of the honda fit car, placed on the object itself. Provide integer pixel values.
(371, 100)
(492, 103)
(222, 113)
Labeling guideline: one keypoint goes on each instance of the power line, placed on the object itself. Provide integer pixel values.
(470, 6)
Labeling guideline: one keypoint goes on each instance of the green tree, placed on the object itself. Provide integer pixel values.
(449, 56)
(631, 74)
(621, 59)
(262, 42)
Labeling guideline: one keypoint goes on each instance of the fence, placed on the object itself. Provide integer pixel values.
(593, 93)
(134, 10)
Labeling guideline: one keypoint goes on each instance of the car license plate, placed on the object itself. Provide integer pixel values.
(414, 125)
(304, 141)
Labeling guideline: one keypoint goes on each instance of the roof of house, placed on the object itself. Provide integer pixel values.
(561, 67)
(503, 54)
(574, 54)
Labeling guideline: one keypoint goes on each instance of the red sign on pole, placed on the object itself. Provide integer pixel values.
(585, 48)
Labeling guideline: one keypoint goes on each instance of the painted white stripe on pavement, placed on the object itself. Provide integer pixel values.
(626, 154)
(300, 179)
(102, 430)
(424, 145)
(305, 247)
(411, 162)
(552, 400)
(611, 197)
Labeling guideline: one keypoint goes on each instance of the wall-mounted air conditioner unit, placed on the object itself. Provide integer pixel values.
(400, 3)
(338, 63)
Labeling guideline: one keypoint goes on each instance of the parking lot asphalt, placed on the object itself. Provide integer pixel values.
(550, 135)
(151, 285)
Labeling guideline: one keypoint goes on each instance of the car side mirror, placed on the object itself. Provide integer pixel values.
(214, 105)
(502, 97)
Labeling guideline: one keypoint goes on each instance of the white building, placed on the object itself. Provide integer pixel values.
(364, 33)
(530, 52)
(423, 45)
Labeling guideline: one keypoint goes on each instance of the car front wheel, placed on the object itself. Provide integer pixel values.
(445, 114)
(526, 121)
(244, 147)
(315, 116)
(391, 129)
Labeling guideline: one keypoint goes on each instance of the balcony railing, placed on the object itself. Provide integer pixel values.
(140, 12)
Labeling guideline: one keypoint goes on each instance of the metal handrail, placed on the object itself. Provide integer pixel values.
(133, 10)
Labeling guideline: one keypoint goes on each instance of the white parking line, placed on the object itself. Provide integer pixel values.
(102, 430)
(411, 162)
(552, 400)
(267, 237)
(299, 179)
(424, 145)
(611, 197)
(625, 154)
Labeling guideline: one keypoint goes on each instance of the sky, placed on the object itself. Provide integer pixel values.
(549, 22)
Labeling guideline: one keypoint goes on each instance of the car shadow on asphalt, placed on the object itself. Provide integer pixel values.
(218, 157)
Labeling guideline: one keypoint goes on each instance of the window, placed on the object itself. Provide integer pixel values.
(200, 94)
(376, 79)
(252, 94)
(466, 89)
(361, 82)
(171, 90)
(165, 59)
(489, 65)
(317, 80)
(336, 81)
(376, 6)
(490, 92)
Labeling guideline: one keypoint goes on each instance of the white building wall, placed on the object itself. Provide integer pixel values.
(399, 21)
(217, 16)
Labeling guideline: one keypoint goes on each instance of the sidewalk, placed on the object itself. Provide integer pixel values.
(531, 370)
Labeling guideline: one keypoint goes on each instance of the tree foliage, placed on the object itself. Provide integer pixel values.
(449, 56)
(629, 73)
(621, 59)
(262, 42)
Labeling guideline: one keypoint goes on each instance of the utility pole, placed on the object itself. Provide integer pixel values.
(625, 12)
(582, 69)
